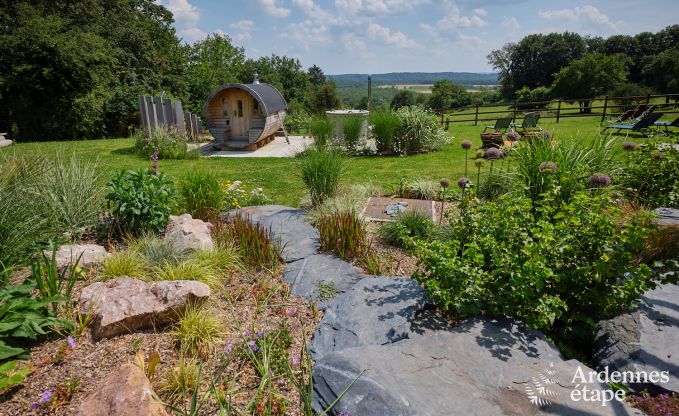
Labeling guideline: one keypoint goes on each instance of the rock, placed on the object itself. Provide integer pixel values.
(667, 216)
(375, 311)
(644, 339)
(125, 392)
(396, 208)
(5, 142)
(482, 367)
(124, 305)
(306, 276)
(187, 233)
(289, 226)
(69, 253)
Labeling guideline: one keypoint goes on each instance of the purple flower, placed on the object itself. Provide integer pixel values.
(466, 144)
(551, 166)
(599, 180)
(252, 343)
(294, 360)
(445, 183)
(44, 397)
(154, 158)
(629, 146)
(493, 153)
(463, 182)
(292, 313)
(259, 334)
(71, 342)
(513, 136)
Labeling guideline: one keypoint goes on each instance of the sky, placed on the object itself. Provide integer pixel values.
(377, 36)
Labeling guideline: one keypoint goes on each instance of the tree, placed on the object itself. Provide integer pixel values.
(662, 71)
(322, 98)
(593, 75)
(403, 98)
(316, 75)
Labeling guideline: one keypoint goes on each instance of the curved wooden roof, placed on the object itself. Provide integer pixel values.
(270, 99)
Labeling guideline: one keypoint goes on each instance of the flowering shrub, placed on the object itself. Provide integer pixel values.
(650, 174)
(661, 405)
(234, 195)
(556, 267)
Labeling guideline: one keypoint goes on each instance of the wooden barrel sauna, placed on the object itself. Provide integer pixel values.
(244, 116)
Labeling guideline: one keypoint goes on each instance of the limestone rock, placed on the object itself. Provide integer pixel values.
(125, 392)
(69, 253)
(307, 275)
(644, 339)
(124, 305)
(187, 233)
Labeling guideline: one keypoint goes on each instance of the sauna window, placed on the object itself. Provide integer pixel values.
(240, 108)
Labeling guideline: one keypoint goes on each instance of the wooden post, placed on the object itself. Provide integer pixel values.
(168, 113)
(514, 114)
(189, 125)
(603, 113)
(476, 118)
(153, 119)
(179, 117)
(558, 111)
(144, 115)
(648, 98)
(194, 125)
(160, 113)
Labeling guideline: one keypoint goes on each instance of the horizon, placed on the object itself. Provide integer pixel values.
(386, 36)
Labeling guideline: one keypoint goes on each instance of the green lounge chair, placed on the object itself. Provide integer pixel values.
(667, 124)
(529, 123)
(639, 126)
(500, 125)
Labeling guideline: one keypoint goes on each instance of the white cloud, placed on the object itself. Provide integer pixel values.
(455, 20)
(243, 30)
(306, 33)
(511, 24)
(185, 14)
(377, 7)
(192, 34)
(581, 15)
(384, 34)
(480, 12)
(271, 8)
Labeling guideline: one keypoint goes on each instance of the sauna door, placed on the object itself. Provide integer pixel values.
(241, 113)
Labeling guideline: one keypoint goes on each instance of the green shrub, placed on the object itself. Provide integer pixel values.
(11, 374)
(168, 143)
(321, 170)
(410, 224)
(141, 201)
(418, 131)
(53, 283)
(351, 132)
(127, 263)
(385, 124)
(556, 266)
(494, 185)
(223, 258)
(256, 245)
(526, 97)
(202, 195)
(320, 129)
(650, 175)
(198, 331)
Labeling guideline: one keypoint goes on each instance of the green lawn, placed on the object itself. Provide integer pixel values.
(278, 176)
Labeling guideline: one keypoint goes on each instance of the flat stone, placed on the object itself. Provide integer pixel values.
(482, 367)
(375, 311)
(667, 216)
(187, 233)
(125, 392)
(645, 339)
(123, 305)
(307, 275)
(69, 253)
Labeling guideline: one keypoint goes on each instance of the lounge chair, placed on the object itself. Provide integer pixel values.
(667, 124)
(627, 115)
(639, 126)
(500, 125)
(529, 123)
(642, 110)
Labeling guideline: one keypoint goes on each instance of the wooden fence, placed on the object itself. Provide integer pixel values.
(611, 107)
(156, 111)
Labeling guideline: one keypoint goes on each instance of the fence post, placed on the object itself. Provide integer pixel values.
(476, 117)
(514, 113)
(648, 98)
(603, 114)
(558, 111)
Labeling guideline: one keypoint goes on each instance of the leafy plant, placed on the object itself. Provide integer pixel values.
(256, 244)
(351, 132)
(321, 171)
(257, 197)
(421, 188)
(201, 194)
(198, 331)
(141, 201)
(494, 185)
(53, 283)
(650, 174)
(384, 126)
(410, 224)
(11, 374)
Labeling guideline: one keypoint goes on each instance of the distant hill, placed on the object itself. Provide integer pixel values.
(396, 78)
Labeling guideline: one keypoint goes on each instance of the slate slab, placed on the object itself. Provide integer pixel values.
(667, 216)
(307, 275)
(482, 367)
(646, 339)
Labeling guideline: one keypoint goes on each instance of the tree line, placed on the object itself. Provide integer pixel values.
(72, 69)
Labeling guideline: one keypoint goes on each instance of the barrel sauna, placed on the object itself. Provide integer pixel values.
(244, 116)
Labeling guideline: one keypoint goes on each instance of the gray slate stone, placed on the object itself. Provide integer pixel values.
(5, 142)
(646, 339)
(482, 367)
(305, 276)
(667, 216)
(289, 225)
(375, 311)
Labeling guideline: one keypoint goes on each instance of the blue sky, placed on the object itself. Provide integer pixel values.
(375, 36)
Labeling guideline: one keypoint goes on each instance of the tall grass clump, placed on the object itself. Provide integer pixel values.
(321, 171)
(167, 142)
(181, 379)
(256, 244)
(198, 331)
(201, 195)
(344, 234)
(422, 189)
(125, 263)
(417, 131)
(320, 129)
(351, 132)
(155, 250)
(190, 269)
(385, 124)
(410, 224)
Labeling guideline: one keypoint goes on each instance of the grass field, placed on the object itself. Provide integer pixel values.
(278, 176)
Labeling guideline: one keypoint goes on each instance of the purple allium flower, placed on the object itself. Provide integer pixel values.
(599, 180)
(629, 146)
(466, 144)
(478, 163)
(551, 166)
(71, 342)
(463, 182)
(493, 153)
(154, 158)
(513, 136)
(445, 183)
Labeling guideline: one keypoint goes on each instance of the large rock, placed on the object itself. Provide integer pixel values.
(646, 339)
(69, 253)
(5, 142)
(667, 216)
(125, 392)
(307, 275)
(482, 367)
(121, 306)
(289, 226)
(187, 233)
(375, 311)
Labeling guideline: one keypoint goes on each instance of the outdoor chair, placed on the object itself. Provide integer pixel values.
(642, 109)
(500, 125)
(667, 124)
(639, 126)
(529, 123)
(627, 115)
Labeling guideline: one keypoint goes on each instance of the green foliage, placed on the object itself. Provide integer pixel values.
(418, 131)
(662, 71)
(12, 375)
(629, 89)
(322, 98)
(51, 282)
(181, 380)
(320, 129)
(201, 195)
(650, 175)
(351, 132)
(343, 234)
(421, 188)
(385, 124)
(591, 76)
(492, 186)
(156, 251)
(528, 95)
(256, 245)
(223, 258)
(198, 331)
(446, 95)
(410, 224)
(403, 98)
(168, 143)
(556, 266)
(321, 170)
(141, 201)
(190, 269)
(123, 263)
